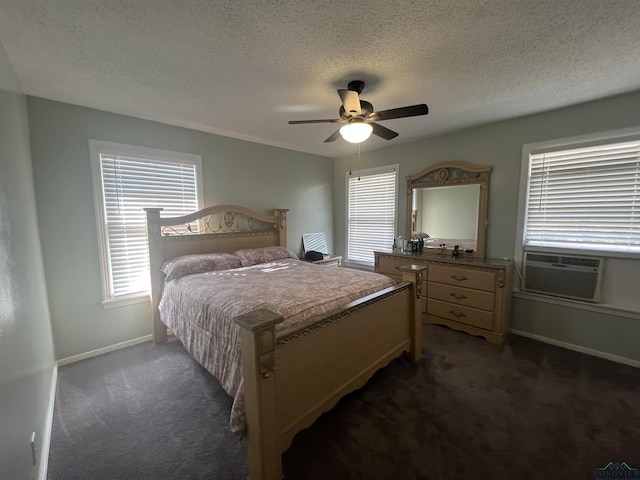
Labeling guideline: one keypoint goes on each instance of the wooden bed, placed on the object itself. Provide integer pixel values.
(290, 381)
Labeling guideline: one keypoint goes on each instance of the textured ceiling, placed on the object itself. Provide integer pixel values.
(244, 68)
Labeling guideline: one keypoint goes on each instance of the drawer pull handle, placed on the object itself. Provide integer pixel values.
(460, 278)
(457, 314)
(458, 296)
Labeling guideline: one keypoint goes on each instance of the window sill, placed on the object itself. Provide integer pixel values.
(583, 252)
(358, 265)
(126, 300)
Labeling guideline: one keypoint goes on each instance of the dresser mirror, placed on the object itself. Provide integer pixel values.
(448, 202)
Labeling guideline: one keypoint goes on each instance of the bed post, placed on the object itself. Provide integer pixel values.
(154, 236)
(258, 347)
(281, 217)
(414, 275)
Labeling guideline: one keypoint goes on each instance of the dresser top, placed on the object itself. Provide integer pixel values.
(446, 257)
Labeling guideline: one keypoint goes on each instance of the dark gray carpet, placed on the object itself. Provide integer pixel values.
(143, 412)
(468, 410)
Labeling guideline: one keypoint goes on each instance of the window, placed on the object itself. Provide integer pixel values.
(584, 196)
(371, 212)
(126, 180)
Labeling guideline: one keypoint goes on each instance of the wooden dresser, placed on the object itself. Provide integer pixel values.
(468, 294)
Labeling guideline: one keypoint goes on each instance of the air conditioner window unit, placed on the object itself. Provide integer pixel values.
(562, 275)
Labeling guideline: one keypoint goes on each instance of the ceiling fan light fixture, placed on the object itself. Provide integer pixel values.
(360, 117)
(356, 132)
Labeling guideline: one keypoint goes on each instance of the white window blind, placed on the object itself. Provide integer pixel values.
(128, 185)
(371, 214)
(585, 198)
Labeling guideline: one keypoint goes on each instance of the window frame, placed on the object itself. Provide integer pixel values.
(613, 136)
(364, 173)
(98, 148)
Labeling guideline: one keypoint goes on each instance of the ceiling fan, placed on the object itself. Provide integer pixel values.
(361, 118)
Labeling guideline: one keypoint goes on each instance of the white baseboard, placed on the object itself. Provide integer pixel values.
(48, 426)
(109, 348)
(100, 351)
(578, 348)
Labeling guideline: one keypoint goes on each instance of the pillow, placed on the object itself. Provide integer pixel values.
(253, 256)
(206, 262)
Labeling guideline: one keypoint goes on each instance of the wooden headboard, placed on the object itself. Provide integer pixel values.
(221, 228)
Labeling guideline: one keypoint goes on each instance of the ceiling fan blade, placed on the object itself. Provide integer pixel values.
(411, 111)
(298, 122)
(383, 132)
(351, 102)
(333, 137)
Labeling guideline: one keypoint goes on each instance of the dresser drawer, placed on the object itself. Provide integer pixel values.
(468, 278)
(461, 296)
(461, 314)
(389, 265)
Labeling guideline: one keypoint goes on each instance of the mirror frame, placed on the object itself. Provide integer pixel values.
(451, 174)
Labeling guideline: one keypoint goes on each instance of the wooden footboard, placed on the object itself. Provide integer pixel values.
(292, 381)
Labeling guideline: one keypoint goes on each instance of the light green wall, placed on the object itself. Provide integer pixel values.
(262, 177)
(234, 172)
(500, 145)
(26, 347)
(612, 334)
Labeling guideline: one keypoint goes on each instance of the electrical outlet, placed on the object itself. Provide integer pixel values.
(33, 448)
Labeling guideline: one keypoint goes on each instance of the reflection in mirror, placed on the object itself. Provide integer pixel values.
(447, 204)
(433, 211)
